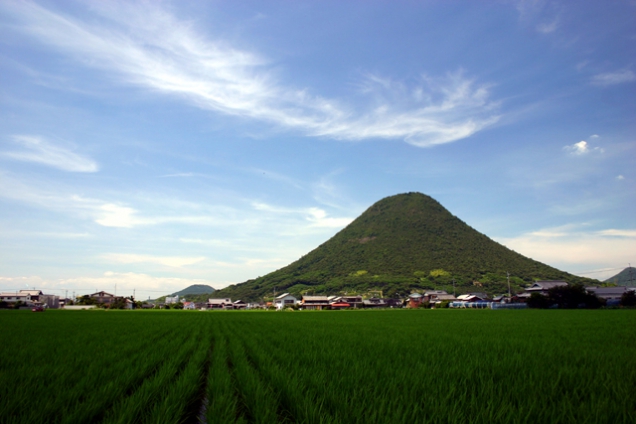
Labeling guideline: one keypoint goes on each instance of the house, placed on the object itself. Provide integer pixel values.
(339, 305)
(284, 300)
(431, 295)
(189, 306)
(14, 297)
(374, 302)
(608, 293)
(502, 298)
(471, 298)
(29, 297)
(34, 294)
(353, 301)
(394, 303)
(415, 300)
(542, 287)
(239, 304)
(314, 302)
(438, 296)
(103, 297)
(220, 304)
(171, 299)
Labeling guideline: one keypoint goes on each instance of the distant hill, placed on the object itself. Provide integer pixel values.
(195, 289)
(194, 293)
(626, 277)
(402, 243)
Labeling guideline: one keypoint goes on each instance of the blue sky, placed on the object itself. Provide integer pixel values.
(148, 146)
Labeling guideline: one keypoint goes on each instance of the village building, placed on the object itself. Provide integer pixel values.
(220, 304)
(103, 297)
(171, 300)
(473, 297)
(353, 301)
(314, 302)
(609, 293)
(542, 287)
(414, 300)
(285, 300)
(438, 296)
(239, 304)
(374, 302)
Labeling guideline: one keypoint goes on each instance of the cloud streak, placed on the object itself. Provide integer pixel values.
(166, 55)
(171, 261)
(38, 150)
(614, 78)
(582, 148)
(568, 248)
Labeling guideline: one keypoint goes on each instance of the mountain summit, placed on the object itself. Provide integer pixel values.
(402, 243)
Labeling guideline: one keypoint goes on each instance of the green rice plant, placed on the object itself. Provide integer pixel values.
(258, 401)
(437, 366)
(183, 395)
(221, 398)
(153, 390)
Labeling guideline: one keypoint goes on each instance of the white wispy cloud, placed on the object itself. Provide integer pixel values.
(169, 56)
(39, 150)
(582, 148)
(171, 261)
(613, 78)
(127, 283)
(316, 216)
(576, 249)
(548, 27)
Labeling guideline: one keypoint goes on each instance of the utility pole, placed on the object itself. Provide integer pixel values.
(509, 294)
(454, 288)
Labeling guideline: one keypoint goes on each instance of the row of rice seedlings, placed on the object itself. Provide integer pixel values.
(461, 375)
(151, 392)
(221, 399)
(258, 401)
(79, 368)
(129, 375)
(180, 399)
(298, 402)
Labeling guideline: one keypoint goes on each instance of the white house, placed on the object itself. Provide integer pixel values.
(284, 300)
(13, 297)
(171, 299)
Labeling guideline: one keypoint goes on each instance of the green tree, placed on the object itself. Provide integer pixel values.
(628, 299)
(538, 301)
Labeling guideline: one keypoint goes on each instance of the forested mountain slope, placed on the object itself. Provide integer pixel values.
(402, 243)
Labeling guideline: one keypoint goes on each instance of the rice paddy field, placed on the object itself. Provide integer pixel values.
(393, 366)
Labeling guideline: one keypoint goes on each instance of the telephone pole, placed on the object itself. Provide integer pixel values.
(509, 294)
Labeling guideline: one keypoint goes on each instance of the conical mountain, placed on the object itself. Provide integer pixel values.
(626, 277)
(402, 243)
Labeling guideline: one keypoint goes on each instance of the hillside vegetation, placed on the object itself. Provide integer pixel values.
(402, 243)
